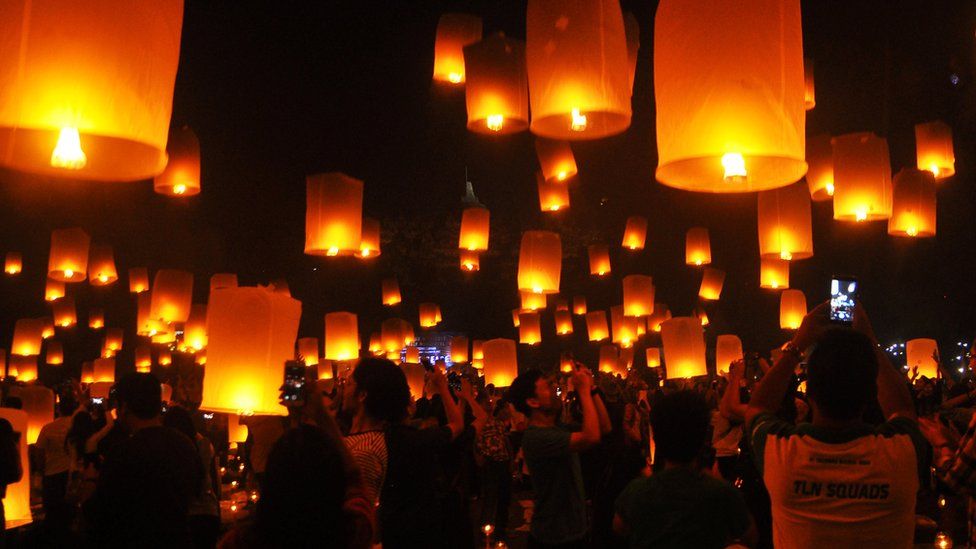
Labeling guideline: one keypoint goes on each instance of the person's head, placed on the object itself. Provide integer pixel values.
(680, 422)
(139, 398)
(179, 418)
(67, 405)
(82, 427)
(842, 373)
(378, 388)
(532, 392)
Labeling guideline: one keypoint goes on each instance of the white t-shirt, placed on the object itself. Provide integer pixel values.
(57, 459)
(854, 488)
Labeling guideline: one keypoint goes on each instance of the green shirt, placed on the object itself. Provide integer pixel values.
(682, 508)
(560, 510)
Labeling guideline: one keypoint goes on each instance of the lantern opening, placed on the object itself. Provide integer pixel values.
(455, 78)
(912, 231)
(179, 189)
(102, 277)
(68, 273)
(860, 214)
(494, 122)
(830, 189)
(333, 251)
(67, 153)
(934, 168)
(785, 255)
(561, 176)
(735, 167)
(579, 121)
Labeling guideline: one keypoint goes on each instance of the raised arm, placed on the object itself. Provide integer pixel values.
(731, 405)
(455, 419)
(467, 395)
(893, 394)
(603, 418)
(590, 435)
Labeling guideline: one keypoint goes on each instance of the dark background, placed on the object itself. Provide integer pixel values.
(276, 91)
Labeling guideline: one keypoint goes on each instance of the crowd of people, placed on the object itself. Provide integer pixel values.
(830, 445)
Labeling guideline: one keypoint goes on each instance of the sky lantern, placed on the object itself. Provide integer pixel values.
(684, 347)
(566, 363)
(54, 353)
(162, 338)
(469, 261)
(553, 195)
(599, 255)
(392, 335)
(653, 356)
(623, 328)
(579, 79)
(785, 225)
(145, 324)
(809, 91)
(454, 32)
(182, 174)
(406, 330)
(661, 313)
(143, 358)
(326, 370)
(933, 149)
(632, 34)
(477, 354)
(195, 329)
(223, 280)
(22, 367)
(236, 431)
(711, 284)
(100, 389)
(913, 204)
(532, 301)
(820, 172)
(411, 355)
(774, 273)
(459, 349)
(556, 159)
(625, 360)
(919, 353)
(308, 350)
(53, 289)
(635, 233)
(164, 356)
(474, 229)
(104, 370)
(564, 322)
(138, 280)
(415, 374)
(113, 339)
(172, 295)
(88, 372)
(609, 359)
(698, 249)
(496, 92)
(13, 263)
(530, 329)
(391, 291)
(333, 214)
(702, 316)
(579, 305)
(48, 331)
(28, 334)
(862, 177)
(596, 325)
(638, 295)
(516, 320)
(96, 318)
(342, 336)
(738, 125)
(428, 315)
(251, 334)
(792, 309)
(68, 261)
(38, 402)
(63, 311)
(369, 244)
(16, 502)
(500, 362)
(728, 349)
(540, 262)
(101, 263)
(88, 88)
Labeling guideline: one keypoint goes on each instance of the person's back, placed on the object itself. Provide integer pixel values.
(51, 440)
(557, 481)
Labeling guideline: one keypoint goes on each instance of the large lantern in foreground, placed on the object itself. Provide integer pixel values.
(711, 284)
(474, 229)
(785, 225)
(333, 214)
(862, 177)
(576, 56)
(920, 353)
(341, 336)
(16, 502)
(553, 195)
(913, 204)
(68, 261)
(38, 402)
(638, 291)
(933, 149)
(497, 90)
(182, 174)
(635, 233)
(737, 124)
(684, 347)
(555, 159)
(88, 87)
(500, 362)
(728, 349)
(774, 273)
(252, 333)
(820, 170)
(540, 262)
(698, 248)
(599, 255)
(454, 31)
(172, 295)
(792, 309)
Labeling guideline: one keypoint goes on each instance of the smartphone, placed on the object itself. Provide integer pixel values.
(843, 291)
(454, 382)
(293, 390)
(97, 401)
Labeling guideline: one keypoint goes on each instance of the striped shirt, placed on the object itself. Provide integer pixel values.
(368, 448)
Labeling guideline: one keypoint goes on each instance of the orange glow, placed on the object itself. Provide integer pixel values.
(579, 305)
(496, 92)
(933, 149)
(564, 322)
(913, 204)
(13, 263)
(53, 290)
(16, 502)
(138, 280)
(236, 431)
(918, 352)
(862, 177)
(308, 350)
(774, 273)
(28, 334)
(701, 315)
(195, 329)
(698, 248)
(101, 263)
(661, 313)
(684, 347)
(474, 229)
(609, 361)
(792, 309)
(391, 291)
(113, 339)
(596, 325)
(341, 336)
(87, 372)
(459, 349)
(540, 262)
(515, 317)
(67, 153)
(635, 233)
(500, 362)
(530, 328)
(728, 349)
(143, 358)
(164, 357)
(172, 296)
(556, 159)
(454, 31)
(104, 370)
(599, 256)
(566, 363)
(54, 354)
(785, 225)
(333, 214)
(64, 312)
(38, 402)
(809, 91)
(820, 175)
(429, 313)
(532, 301)
(622, 328)
(638, 292)
(369, 245)
(653, 357)
(68, 261)
(553, 196)
(711, 284)
(470, 261)
(632, 33)
(182, 174)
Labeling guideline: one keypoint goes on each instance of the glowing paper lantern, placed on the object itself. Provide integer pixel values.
(635, 233)
(88, 88)
(556, 159)
(500, 362)
(182, 174)
(623, 328)
(532, 301)
(632, 33)
(53, 290)
(392, 335)
(223, 280)
(553, 195)
(469, 261)
(342, 336)
(138, 280)
(24, 368)
(104, 370)
(96, 318)
(785, 226)
(641, 326)
(326, 370)
(411, 355)
(162, 338)
(454, 32)
(16, 502)
(599, 256)
(308, 350)
(809, 91)
(54, 354)
(638, 295)
(164, 357)
(333, 214)
(459, 349)
(369, 244)
(576, 56)
(579, 305)
(477, 354)
(564, 322)
(497, 90)
(68, 261)
(774, 273)
(391, 291)
(64, 312)
(38, 402)
(143, 358)
(474, 229)
(820, 174)
(415, 375)
(530, 329)
(711, 284)
(933, 149)
(87, 372)
(661, 313)
(13, 263)
(100, 389)
(698, 248)
(566, 363)
(728, 349)
(653, 357)
(236, 431)
(172, 295)
(738, 124)
(145, 324)
(792, 309)
(596, 325)
(195, 329)
(625, 360)
(913, 204)
(252, 333)
(428, 315)
(684, 347)
(113, 339)
(862, 177)
(920, 353)
(701, 315)
(200, 357)
(28, 334)
(515, 317)
(609, 361)
(540, 262)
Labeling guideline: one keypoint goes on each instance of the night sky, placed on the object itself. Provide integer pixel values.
(279, 91)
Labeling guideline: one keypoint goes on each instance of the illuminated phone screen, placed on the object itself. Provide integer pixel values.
(843, 291)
